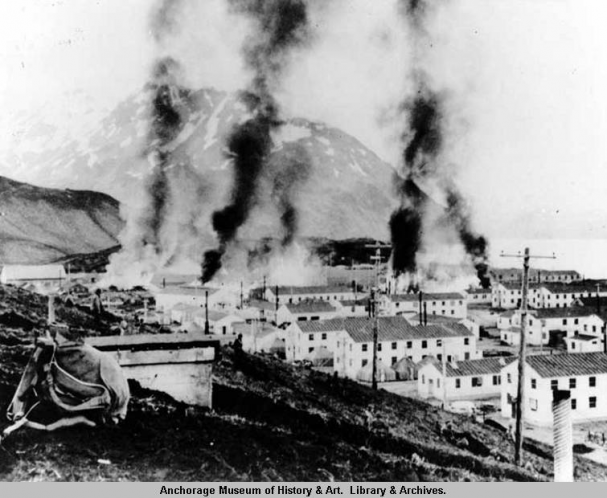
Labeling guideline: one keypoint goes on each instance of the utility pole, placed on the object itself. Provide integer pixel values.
(373, 305)
(518, 447)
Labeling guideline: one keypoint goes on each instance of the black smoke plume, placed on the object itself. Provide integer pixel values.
(423, 145)
(280, 26)
(423, 142)
(166, 122)
(475, 245)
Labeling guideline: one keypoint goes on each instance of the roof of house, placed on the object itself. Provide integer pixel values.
(592, 302)
(482, 366)
(185, 307)
(478, 291)
(352, 302)
(426, 296)
(33, 272)
(259, 330)
(569, 312)
(310, 307)
(390, 328)
(262, 305)
(414, 319)
(584, 337)
(568, 365)
(286, 290)
(557, 288)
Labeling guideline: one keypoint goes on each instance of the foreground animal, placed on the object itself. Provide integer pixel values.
(72, 383)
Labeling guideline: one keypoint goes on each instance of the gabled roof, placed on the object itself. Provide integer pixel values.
(482, 366)
(568, 365)
(352, 302)
(570, 312)
(557, 288)
(591, 302)
(33, 272)
(331, 325)
(310, 307)
(478, 291)
(287, 290)
(584, 337)
(262, 305)
(426, 296)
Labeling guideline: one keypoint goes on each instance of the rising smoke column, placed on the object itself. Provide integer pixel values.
(423, 143)
(280, 26)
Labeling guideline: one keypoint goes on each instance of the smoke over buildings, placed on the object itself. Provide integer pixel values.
(424, 162)
(279, 27)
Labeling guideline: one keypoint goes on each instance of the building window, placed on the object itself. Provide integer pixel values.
(324, 336)
(437, 382)
(554, 384)
(311, 337)
(497, 380)
(509, 378)
(458, 383)
(592, 401)
(423, 379)
(424, 344)
(592, 381)
(533, 383)
(571, 383)
(564, 321)
(310, 350)
(575, 321)
(364, 362)
(365, 347)
(409, 344)
(533, 404)
(379, 346)
(466, 341)
(394, 360)
(439, 343)
(574, 404)
(466, 356)
(393, 345)
(477, 381)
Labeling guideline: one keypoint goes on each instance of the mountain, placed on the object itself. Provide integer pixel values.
(40, 225)
(347, 193)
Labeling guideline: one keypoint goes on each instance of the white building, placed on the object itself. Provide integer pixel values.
(41, 276)
(351, 341)
(296, 294)
(478, 296)
(219, 322)
(472, 379)
(445, 320)
(584, 374)
(509, 295)
(352, 308)
(562, 296)
(305, 310)
(452, 304)
(549, 325)
(515, 275)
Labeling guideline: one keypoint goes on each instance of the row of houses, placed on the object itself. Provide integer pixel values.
(509, 295)
(350, 342)
(584, 375)
(515, 275)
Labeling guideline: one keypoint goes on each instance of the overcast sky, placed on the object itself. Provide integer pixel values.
(526, 82)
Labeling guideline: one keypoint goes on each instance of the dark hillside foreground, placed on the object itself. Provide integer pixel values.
(270, 422)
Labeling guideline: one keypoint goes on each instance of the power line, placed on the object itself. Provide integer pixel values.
(518, 447)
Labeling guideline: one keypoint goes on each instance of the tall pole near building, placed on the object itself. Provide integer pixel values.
(520, 399)
(373, 306)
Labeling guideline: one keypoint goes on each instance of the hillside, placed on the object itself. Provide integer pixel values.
(348, 192)
(270, 422)
(39, 225)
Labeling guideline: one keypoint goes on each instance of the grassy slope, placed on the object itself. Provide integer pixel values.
(270, 422)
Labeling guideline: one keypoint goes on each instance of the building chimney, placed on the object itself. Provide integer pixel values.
(421, 314)
(51, 309)
(563, 436)
(206, 313)
(425, 313)
(164, 282)
(263, 289)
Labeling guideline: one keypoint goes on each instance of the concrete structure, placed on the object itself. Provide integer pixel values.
(305, 310)
(548, 325)
(41, 276)
(351, 341)
(472, 379)
(451, 304)
(177, 364)
(296, 294)
(584, 374)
